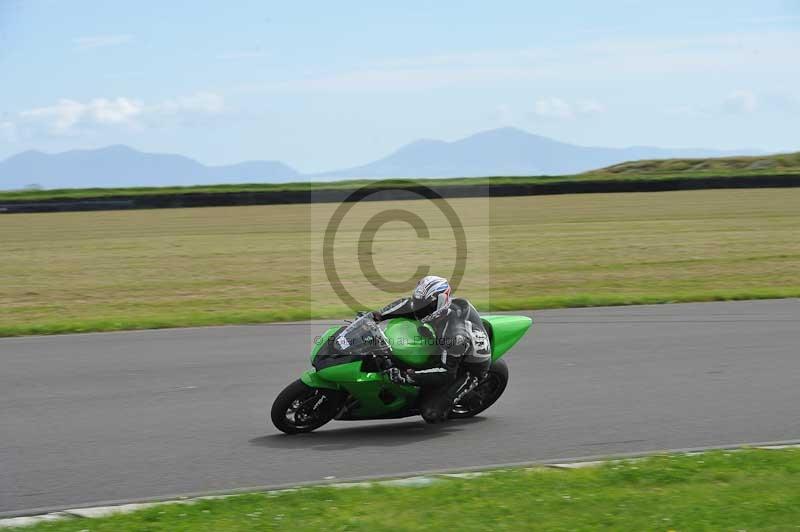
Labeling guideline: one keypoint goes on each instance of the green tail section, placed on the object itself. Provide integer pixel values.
(505, 331)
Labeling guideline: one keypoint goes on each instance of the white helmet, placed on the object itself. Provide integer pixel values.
(431, 298)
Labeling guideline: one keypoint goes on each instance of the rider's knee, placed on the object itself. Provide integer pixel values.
(434, 416)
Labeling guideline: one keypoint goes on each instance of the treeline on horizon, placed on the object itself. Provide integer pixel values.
(649, 175)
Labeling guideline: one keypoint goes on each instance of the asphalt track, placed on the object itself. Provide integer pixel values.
(98, 417)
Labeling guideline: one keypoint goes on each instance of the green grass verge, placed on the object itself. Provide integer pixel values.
(262, 317)
(742, 490)
(779, 163)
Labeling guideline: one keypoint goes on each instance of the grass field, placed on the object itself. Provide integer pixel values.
(742, 490)
(779, 164)
(67, 272)
(647, 170)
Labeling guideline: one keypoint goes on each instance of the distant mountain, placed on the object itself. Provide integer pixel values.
(505, 151)
(121, 166)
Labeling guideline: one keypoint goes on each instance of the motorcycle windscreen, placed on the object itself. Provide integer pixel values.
(356, 342)
(327, 354)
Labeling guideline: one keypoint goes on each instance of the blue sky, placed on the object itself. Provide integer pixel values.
(324, 85)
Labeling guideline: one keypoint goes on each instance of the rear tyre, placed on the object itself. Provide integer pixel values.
(301, 408)
(484, 394)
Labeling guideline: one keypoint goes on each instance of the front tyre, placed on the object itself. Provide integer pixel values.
(484, 394)
(301, 408)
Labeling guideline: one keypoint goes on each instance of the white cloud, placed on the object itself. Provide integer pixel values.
(503, 114)
(201, 102)
(397, 79)
(100, 41)
(773, 19)
(743, 102)
(740, 102)
(70, 117)
(780, 101)
(8, 131)
(242, 54)
(589, 107)
(66, 116)
(561, 109)
(553, 108)
(742, 53)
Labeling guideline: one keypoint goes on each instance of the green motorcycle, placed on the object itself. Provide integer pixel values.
(349, 382)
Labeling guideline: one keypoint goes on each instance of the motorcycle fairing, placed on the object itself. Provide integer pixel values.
(370, 390)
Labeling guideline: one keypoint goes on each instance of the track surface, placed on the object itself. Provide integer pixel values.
(94, 417)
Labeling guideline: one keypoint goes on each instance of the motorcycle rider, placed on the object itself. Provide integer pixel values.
(459, 335)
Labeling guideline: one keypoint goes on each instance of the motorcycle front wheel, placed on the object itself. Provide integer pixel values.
(301, 408)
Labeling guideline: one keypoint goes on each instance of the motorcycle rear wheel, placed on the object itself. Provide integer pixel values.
(485, 394)
(301, 408)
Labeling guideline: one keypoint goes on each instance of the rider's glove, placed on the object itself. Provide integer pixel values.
(384, 363)
(397, 376)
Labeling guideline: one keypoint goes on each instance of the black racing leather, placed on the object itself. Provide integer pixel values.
(453, 334)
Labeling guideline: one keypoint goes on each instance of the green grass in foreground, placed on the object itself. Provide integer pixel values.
(743, 490)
